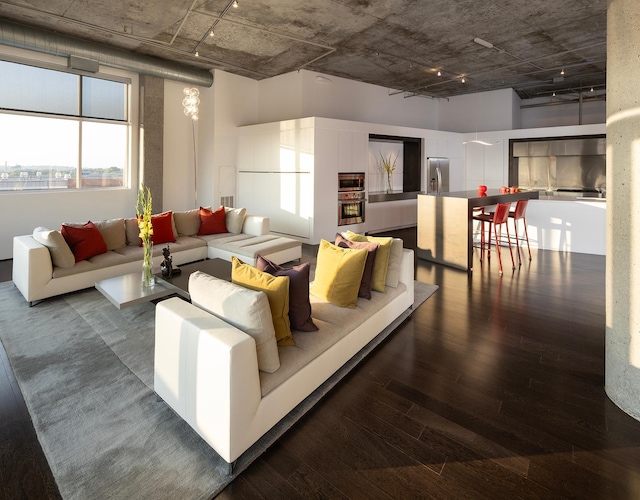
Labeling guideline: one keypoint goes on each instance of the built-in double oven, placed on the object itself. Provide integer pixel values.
(351, 198)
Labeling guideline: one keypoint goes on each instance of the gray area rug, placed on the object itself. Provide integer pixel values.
(86, 372)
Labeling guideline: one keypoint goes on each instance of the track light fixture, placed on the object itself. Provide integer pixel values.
(211, 33)
(562, 71)
(235, 4)
(197, 54)
(439, 73)
(463, 80)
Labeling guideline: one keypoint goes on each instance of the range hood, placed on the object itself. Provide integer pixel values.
(573, 164)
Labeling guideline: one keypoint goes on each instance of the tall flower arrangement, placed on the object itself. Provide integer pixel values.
(389, 166)
(144, 206)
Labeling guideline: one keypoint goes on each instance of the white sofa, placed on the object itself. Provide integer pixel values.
(207, 370)
(37, 278)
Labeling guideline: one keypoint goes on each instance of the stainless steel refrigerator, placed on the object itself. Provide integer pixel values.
(435, 178)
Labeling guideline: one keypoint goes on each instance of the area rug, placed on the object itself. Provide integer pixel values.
(86, 372)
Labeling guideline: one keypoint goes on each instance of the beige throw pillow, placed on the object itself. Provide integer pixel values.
(113, 233)
(234, 219)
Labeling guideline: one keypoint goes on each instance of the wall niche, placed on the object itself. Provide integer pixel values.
(407, 152)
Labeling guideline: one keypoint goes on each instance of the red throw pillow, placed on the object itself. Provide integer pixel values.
(212, 222)
(162, 225)
(85, 241)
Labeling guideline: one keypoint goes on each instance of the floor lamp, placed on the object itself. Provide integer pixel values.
(190, 103)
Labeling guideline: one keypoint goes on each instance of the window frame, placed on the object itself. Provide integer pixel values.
(131, 83)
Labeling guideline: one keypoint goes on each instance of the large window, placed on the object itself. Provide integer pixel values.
(61, 130)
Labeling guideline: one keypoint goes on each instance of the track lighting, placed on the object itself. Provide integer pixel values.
(211, 33)
(463, 80)
(553, 95)
(562, 72)
(439, 73)
(591, 89)
(197, 54)
(235, 4)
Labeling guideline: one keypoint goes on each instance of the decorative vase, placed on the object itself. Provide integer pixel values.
(148, 279)
(389, 186)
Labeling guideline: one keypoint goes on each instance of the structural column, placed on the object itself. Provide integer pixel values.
(622, 343)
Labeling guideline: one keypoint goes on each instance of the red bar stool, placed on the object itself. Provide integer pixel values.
(496, 219)
(520, 213)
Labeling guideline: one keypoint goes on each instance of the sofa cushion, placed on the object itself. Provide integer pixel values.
(162, 225)
(382, 258)
(395, 261)
(132, 231)
(248, 310)
(61, 254)
(367, 274)
(234, 219)
(338, 274)
(277, 290)
(299, 305)
(85, 241)
(187, 221)
(112, 230)
(212, 222)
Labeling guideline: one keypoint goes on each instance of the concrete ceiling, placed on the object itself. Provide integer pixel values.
(398, 44)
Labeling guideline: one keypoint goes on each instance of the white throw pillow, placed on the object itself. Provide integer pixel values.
(234, 219)
(248, 310)
(61, 254)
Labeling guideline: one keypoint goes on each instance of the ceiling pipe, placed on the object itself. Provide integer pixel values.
(24, 37)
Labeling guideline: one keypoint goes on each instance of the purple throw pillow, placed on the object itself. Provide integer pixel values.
(367, 275)
(299, 305)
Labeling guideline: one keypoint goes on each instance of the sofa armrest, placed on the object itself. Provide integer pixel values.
(255, 225)
(32, 267)
(207, 371)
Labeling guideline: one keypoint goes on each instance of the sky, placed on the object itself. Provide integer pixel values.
(33, 141)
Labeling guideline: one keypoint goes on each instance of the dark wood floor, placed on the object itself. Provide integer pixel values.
(492, 389)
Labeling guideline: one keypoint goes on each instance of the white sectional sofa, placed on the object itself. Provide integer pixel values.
(207, 370)
(37, 277)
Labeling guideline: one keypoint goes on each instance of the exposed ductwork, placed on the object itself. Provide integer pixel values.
(24, 37)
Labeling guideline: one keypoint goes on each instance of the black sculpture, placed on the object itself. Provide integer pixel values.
(167, 269)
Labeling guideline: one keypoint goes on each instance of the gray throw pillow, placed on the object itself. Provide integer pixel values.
(61, 254)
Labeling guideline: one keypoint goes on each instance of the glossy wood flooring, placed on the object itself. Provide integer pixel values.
(492, 389)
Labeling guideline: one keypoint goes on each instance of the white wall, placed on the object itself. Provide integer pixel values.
(495, 110)
(562, 115)
(306, 93)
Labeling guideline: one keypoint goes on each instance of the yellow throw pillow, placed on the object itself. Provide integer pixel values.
(338, 274)
(381, 263)
(276, 289)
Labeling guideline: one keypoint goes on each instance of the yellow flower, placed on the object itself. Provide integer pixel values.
(387, 163)
(143, 212)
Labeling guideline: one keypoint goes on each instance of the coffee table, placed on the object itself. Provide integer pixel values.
(180, 284)
(127, 290)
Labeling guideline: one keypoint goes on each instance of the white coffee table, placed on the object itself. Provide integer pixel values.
(125, 291)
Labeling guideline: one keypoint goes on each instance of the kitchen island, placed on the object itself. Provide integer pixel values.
(445, 224)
